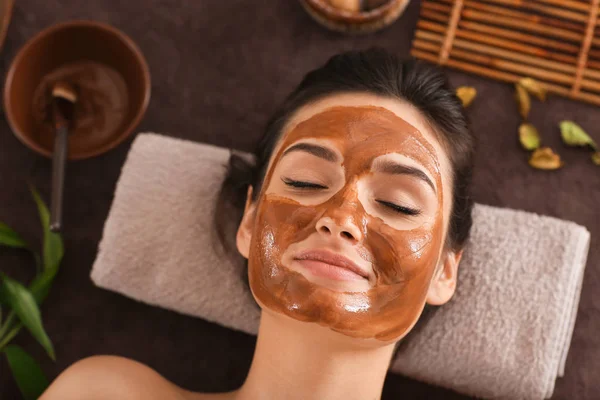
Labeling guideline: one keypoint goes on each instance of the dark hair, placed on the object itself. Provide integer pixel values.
(381, 73)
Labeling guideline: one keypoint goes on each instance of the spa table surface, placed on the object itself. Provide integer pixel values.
(219, 68)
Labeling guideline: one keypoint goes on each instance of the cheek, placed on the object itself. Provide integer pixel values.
(279, 223)
(406, 262)
(286, 218)
(403, 255)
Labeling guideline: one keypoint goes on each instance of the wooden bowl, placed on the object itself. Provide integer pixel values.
(354, 22)
(79, 44)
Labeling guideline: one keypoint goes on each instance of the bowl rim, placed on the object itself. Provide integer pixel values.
(356, 26)
(333, 12)
(123, 37)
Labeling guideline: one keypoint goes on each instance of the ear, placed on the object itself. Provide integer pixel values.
(443, 284)
(244, 233)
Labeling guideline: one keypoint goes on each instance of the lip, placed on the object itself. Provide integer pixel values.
(327, 259)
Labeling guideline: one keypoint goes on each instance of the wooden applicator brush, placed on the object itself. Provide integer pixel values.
(64, 98)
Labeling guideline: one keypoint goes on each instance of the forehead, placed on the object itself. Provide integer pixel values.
(403, 110)
(365, 133)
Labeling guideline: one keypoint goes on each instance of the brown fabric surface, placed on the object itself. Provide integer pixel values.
(218, 70)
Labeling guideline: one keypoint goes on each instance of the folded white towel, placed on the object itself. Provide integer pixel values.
(505, 333)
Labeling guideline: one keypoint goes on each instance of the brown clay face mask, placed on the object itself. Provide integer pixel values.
(341, 206)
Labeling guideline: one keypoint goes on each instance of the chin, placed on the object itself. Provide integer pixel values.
(327, 332)
(349, 307)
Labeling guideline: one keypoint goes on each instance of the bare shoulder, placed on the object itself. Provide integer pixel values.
(108, 377)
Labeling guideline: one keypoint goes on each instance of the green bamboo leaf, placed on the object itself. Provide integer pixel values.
(9, 237)
(40, 286)
(10, 333)
(573, 135)
(27, 373)
(6, 325)
(24, 305)
(53, 244)
(52, 254)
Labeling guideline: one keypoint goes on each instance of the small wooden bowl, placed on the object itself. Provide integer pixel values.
(355, 22)
(61, 45)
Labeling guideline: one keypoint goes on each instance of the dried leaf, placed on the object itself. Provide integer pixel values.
(545, 158)
(573, 135)
(596, 158)
(529, 136)
(523, 100)
(534, 87)
(466, 94)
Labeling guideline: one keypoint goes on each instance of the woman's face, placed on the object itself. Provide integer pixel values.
(349, 227)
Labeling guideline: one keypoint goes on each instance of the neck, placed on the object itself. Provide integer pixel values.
(299, 360)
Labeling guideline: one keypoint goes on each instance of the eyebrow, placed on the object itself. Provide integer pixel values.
(390, 167)
(315, 150)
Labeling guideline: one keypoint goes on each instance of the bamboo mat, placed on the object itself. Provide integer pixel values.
(554, 41)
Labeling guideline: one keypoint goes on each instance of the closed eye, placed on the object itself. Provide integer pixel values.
(302, 184)
(399, 209)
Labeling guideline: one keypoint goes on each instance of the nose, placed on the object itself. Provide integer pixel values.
(344, 228)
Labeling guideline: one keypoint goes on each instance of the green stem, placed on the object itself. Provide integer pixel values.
(38, 262)
(7, 324)
(9, 336)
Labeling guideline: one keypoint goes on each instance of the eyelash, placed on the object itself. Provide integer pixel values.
(315, 186)
(400, 209)
(302, 184)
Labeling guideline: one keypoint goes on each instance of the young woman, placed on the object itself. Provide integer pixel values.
(354, 221)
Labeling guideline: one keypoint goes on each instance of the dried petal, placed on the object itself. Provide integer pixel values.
(545, 158)
(596, 158)
(573, 135)
(534, 87)
(466, 94)
(523, 100)
(529, 136)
